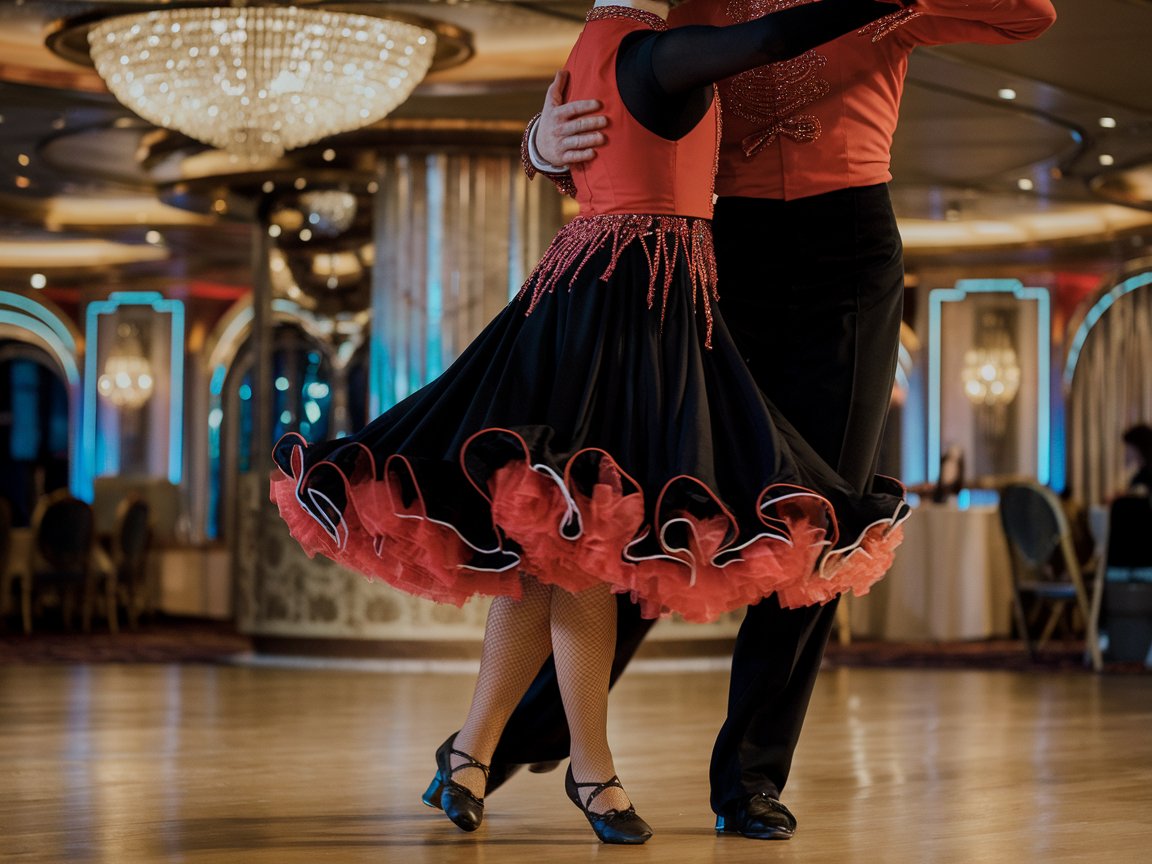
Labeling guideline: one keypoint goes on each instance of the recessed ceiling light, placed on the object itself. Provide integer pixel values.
(306, 234)
(38, 280)
(329, 155)
(1106, 159)
(1025, 184)
(220, 205)
(1006, 93)
(373, 187)
(1108, 122)
(300, 183)
(268, 186)
(23, 159)
(273, 230)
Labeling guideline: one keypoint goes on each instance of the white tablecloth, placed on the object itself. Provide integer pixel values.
(950, 580)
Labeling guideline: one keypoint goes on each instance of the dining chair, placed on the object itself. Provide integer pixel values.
(1046, 573)
(131, 540)
(63, 535)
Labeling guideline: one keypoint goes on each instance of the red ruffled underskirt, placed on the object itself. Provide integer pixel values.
(576, 540)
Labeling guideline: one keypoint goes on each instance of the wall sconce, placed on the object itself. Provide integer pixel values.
(127, 380)
(163, 320)
(1002, 370)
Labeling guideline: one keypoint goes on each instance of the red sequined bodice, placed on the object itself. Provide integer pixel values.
(638, 171)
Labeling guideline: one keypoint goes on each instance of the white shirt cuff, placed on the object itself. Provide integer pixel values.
(534, 155)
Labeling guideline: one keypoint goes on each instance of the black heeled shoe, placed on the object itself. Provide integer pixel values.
(464, 809)
(611, 826)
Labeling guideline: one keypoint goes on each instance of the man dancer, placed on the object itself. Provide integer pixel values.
(811, 279)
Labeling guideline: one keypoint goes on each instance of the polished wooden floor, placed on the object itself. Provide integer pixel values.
(250, 764)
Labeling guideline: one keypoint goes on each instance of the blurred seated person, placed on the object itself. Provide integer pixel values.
(1138, 440)
(951, 475)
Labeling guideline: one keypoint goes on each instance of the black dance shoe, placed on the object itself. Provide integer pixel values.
(611, 826)
(759, 817)
(499, 773)
(460, 805)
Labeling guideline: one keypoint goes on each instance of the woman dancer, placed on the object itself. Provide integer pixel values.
(602, 434)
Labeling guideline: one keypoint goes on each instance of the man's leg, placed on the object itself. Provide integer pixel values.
(766, 703)
(812, 292)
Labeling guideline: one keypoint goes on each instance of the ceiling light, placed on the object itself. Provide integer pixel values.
(1006, 93)
(1108, 122)
(329, 154)
(268, 187)
(153, 237)
(38, 280)
(1025, 185)
(259, 80)
(22, 182)
(23, 159)
(306, 234)
(1106, 159)
(274, 230)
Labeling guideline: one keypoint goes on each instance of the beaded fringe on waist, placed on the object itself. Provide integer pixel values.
(664, 240)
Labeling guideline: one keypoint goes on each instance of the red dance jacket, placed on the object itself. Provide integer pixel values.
(824, 120)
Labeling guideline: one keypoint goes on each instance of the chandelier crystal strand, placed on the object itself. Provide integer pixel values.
(258, 81)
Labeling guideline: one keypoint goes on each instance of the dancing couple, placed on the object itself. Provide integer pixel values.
(603, 442)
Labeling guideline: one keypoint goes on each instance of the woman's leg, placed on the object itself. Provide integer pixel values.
(583, 643)
(517, 641)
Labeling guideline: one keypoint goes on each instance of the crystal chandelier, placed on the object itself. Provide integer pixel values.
(127, 380)
(991, 376)
(259, 80)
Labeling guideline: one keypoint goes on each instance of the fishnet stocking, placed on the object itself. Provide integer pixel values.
(517, 641)
(580, 630)
(583, 643)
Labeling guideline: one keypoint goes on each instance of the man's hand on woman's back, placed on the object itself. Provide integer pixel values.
(568, 132)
